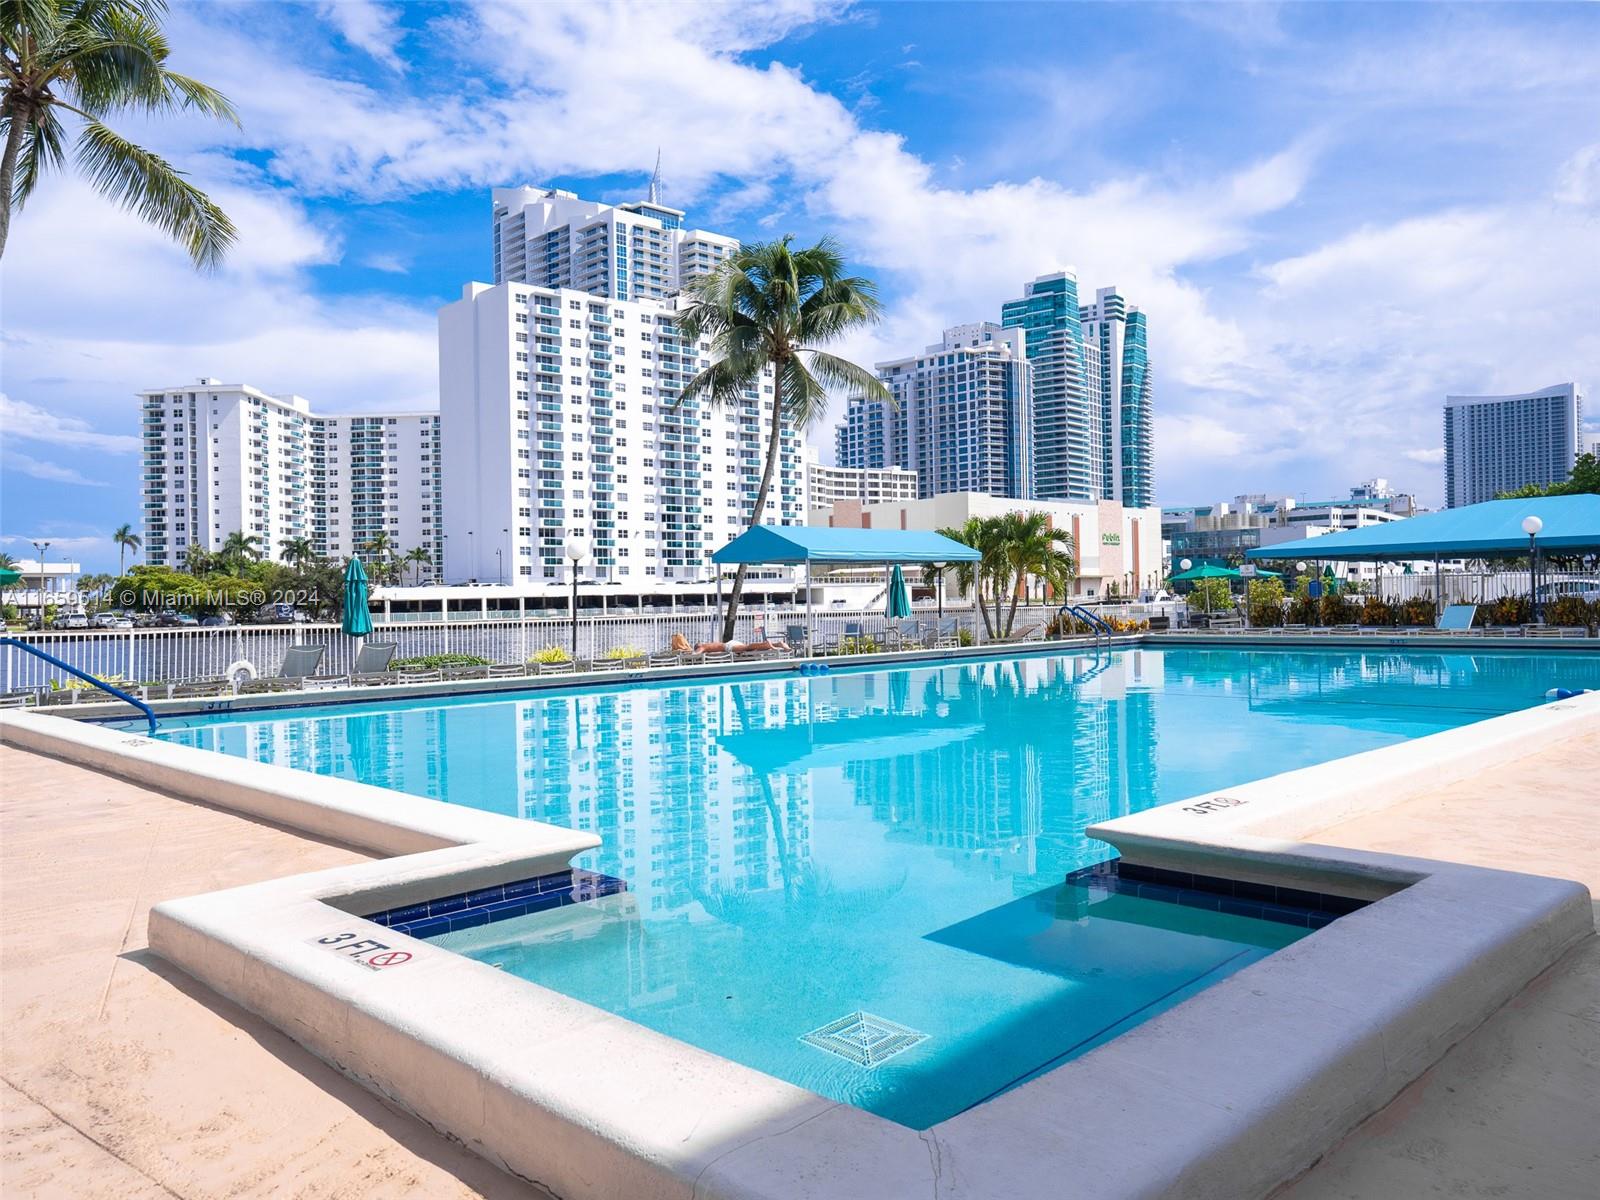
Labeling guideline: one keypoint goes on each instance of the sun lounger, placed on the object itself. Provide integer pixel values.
(1554, 631)
(509, 670)
(667, 659)
(1457, 618)
(558, 668)
(480, 671)
(300, 661)
(17, 699)
(372, 658)
(257, 687)
(201, 687)
(416, 676)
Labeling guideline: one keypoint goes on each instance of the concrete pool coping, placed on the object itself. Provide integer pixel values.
(1226, 1095)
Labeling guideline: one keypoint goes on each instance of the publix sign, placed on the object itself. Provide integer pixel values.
(1111, 539)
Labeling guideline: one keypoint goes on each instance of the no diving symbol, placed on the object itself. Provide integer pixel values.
(363, 951)
(389, 958)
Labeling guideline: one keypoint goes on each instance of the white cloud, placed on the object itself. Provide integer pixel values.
(368, 26)
(1433, 456)
(1578, 183)
(15, 460)
(28, 421)
(391, 264)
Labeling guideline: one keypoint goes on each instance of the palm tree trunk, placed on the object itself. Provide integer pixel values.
(8, 172)
(1011, 617)
(774, 446)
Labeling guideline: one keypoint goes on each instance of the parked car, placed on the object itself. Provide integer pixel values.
(1588, 589)
(113, 620)
(217, 621)
(72, 620)
(167, 619)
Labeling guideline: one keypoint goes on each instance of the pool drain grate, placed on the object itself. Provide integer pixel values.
(863, 1039)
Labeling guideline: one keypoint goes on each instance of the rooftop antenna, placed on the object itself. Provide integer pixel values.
(655, 180)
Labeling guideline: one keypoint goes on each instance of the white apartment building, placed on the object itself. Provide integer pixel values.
(826, 486)
(1495, 444)
(1118, 549)
(223, 458)
(553, 239)
(560, 416)
(377, 474)
(962, 416)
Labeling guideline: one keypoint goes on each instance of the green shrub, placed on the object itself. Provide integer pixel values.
(1335, 610)
(436, 662)
(622, 652)
(550, 655)
(1211, 595)
(1418, 611)
(964, 637)
(1266, 602)
(1376, 612)
(1571, 610)
(1508, 610)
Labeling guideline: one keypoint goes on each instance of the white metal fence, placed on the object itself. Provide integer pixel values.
(180, 655)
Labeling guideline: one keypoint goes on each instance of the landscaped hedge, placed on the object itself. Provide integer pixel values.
(437, 662)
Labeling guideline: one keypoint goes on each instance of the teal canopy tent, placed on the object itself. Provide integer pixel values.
(357, 620)
(899, 596)
(1207, 571)
(809, 545)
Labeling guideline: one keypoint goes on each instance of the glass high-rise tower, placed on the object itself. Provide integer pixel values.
(1092, 436)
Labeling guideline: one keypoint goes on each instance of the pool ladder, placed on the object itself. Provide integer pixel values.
(109, 688)
(1101, 629)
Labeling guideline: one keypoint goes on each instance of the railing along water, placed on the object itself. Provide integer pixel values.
(108, 688)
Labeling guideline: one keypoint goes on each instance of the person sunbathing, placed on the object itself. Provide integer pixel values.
(680, 645)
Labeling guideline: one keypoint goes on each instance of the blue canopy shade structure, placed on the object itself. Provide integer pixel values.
(796, 544)
(1489, 530)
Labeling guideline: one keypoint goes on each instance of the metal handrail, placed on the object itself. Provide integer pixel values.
(149, 713)
(1089, 619)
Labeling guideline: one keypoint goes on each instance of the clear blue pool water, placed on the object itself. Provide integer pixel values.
(798, 849)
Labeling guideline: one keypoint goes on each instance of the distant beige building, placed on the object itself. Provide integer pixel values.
(1118, 548)
(826, 486)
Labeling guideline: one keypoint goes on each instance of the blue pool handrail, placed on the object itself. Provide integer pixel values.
(149, 713)
(1088, 618)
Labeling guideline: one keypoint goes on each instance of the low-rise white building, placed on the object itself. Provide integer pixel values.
(826, 486)
(1118, 549)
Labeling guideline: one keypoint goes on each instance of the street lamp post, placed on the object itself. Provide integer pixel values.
(577, 549)
(472, 560)
(500, 562)
(41, 549)
(1531, 526)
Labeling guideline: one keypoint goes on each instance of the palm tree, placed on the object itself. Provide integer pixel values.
(418, 557)
(197, 560)
(379, 546)
(768, 310)
(1032, 548)
(93, 58)
(7, 561)
(297, 551)
(239, 548)
(126, 539)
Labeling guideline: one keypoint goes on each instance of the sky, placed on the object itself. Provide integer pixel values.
(1333, 215)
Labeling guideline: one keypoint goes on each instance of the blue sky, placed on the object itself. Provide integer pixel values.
(1333, 214)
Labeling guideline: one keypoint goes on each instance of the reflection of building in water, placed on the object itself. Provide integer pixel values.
(680, 820)
(986, 797)
(398, 750)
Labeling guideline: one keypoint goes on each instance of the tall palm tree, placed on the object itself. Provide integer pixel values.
(7, 561)
(297, 551)
(380, 546)
(197, 560)
(1031, 548)
(238, 548)
(92, 59)
(768, 310)
(418, 557)
(126, 539)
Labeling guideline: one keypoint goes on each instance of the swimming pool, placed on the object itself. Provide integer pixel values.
(820, 868)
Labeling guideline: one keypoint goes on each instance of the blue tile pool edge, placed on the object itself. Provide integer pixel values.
(466, 910)
(1237, 897)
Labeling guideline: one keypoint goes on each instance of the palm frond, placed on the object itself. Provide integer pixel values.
(41, 151)
(149, 185)
(842, 374)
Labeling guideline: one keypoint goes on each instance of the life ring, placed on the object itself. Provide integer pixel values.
(240, 668)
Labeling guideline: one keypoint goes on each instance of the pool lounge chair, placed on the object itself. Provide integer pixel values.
(300, 661)
(372, 658)
(1555, 631)
(1456, 618)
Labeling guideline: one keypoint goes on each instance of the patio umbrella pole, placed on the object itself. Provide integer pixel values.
(811, 633)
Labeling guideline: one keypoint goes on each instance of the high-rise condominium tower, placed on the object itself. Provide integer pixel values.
(962, 416)
(560, 416)
(553, 239)
(223, 458)
(1495, 444)
(1128, 440)
(1092, 392)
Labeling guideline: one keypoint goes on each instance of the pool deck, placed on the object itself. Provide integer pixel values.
(1511, 1110)
(123, 1077)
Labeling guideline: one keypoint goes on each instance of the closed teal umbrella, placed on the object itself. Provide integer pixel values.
(357, 620)
(899, 596)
